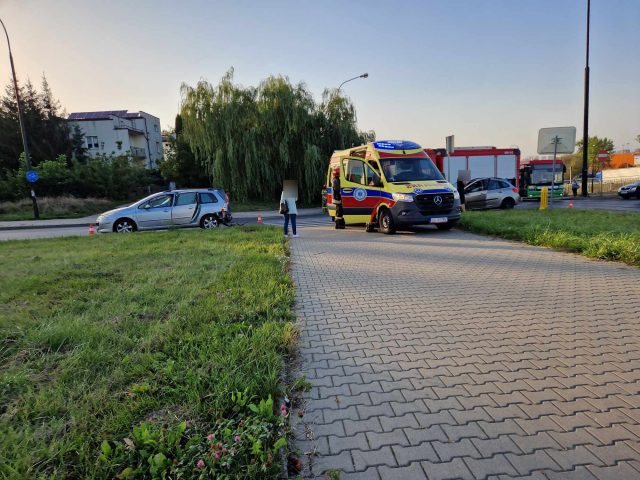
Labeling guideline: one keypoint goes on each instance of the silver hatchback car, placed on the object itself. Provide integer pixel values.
(201, 207)
(490, 193)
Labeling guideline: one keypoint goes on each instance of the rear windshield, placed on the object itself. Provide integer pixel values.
(409, 169)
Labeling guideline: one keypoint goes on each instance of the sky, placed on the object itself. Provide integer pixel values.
(490, 72)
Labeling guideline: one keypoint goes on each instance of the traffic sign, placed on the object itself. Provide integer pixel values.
(32, 176)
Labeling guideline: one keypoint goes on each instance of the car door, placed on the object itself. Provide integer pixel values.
(475, 194)
(184, 208)
(155, 212)
(494, 193)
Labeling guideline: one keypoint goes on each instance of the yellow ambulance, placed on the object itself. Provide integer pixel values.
(390, 185)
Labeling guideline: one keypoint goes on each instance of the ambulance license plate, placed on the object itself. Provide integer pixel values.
(439, 220)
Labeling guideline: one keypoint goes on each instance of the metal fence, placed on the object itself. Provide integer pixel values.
(606, 187)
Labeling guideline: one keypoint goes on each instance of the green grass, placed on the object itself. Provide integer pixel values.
(98, 334)
(595, 234)
(56, 207)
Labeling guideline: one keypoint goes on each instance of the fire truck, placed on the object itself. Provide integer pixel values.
(479, 161)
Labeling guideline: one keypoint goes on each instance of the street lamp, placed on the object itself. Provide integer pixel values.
(364, 75)
(23, 131)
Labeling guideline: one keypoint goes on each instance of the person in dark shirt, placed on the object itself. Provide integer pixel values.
(460, 186)
(337, 199)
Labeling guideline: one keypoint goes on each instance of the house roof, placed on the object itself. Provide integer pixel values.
(105, 115)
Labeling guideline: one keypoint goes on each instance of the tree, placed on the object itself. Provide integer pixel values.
(78, 148)
(47, 130)
(249, 139)
(179, 164)
(595, 145)
(638, 138)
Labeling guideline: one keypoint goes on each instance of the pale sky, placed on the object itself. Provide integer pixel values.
(492, 72)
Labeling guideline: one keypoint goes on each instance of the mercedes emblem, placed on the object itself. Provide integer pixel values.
(437, 200)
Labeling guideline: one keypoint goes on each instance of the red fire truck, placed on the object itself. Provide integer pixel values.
(480, 161)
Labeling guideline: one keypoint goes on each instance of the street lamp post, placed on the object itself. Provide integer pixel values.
(585, 131)
(23, 130)
(364, 75)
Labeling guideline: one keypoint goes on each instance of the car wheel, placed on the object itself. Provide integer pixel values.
(508, 203)
(209, 221)
(385, 222)
(124, 225)
(446, 226)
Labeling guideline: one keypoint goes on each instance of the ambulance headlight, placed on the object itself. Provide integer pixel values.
(402, 197)
(456, 194)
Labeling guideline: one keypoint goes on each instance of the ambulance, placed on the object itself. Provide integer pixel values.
(391, 185)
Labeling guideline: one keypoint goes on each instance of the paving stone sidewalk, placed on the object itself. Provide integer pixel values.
(448, 355)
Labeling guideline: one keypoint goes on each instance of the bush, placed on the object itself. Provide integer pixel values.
(106, 176)
(64, 206)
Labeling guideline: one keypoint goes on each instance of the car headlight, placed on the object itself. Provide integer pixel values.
(456, 194)
(402, 197)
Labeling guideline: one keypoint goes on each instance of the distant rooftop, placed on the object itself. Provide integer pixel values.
(105, 115)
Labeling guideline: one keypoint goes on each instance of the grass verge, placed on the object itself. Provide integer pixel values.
(595, 234)
(56, 207)
(143, 356)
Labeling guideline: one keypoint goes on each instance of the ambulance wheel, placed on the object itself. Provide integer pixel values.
(385, 222)
(369, 227)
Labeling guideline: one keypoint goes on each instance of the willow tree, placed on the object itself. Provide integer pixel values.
(249, 139)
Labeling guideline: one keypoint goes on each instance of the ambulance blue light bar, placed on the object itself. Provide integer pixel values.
(396, 145)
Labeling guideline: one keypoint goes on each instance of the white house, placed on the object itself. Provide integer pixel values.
(120, 132)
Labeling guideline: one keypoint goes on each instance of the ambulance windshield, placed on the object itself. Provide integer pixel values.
(409, 170)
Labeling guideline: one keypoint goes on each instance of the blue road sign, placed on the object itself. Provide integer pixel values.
(32, 176)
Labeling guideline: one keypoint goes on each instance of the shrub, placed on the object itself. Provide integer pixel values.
(107, 176)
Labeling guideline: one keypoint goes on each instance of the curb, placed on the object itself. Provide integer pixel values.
(40, 227)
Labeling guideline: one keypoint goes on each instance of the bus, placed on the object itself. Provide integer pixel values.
(535, 174)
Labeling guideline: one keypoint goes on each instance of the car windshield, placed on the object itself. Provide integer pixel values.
(543, 174)
(409, 170)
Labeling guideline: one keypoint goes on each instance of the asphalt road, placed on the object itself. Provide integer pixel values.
(42, 233)
(316, 219)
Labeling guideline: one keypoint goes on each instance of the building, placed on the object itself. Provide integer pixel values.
(624, 159)
(120, 132)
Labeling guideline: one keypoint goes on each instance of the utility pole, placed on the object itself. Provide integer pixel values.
(585, 130)
(23, 130)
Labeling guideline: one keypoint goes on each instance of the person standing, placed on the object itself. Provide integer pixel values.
(290, 211)
(460, 184)
(337, 199)
(574, 187)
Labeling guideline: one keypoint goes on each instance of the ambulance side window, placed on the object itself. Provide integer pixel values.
(355, 171)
